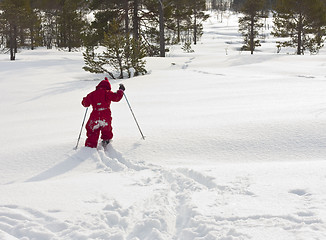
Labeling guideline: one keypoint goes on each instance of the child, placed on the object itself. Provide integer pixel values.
(100, 118)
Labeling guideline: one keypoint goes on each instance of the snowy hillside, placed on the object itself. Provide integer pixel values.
(235, 147)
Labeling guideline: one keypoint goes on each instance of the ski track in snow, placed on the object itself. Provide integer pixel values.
(169, 212)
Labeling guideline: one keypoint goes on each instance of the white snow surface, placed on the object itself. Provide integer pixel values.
(235, 146)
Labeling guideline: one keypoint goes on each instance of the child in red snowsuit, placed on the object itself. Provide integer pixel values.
(100, 118)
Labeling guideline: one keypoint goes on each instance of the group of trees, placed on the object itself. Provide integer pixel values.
(143, 27)
(131, 29)
(33, 23)
(69, 24)
(301, 23)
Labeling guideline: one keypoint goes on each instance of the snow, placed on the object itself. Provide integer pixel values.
(234, 149)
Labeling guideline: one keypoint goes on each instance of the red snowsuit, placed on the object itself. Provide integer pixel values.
(100, 118)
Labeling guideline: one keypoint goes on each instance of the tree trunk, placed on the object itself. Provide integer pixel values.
(162, 38)
(15, 40)
(195, 30)
(195, 24)
(178, 30)
(214, 5)
(12, 44)
(126, 8)
(299, 49)
(69, 35)
(252, 42)
(32, 38)
(135, 20)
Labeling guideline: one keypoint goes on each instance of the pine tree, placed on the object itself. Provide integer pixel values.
(237, 4)
(70, 24)
(49, 15)
(135, 53)
(250, 23)
(302, 22)
(123, 54)
(9, 27)
(198, 7)
(94, 63)
(19, 25)
(33, 24)
(180, 18)
(107, 12)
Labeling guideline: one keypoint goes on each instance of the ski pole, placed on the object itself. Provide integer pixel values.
(134, 116)
(81, 129)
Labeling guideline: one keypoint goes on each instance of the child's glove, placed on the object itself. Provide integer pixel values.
(122, 87)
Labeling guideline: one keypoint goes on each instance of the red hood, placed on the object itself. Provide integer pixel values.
(105, 84)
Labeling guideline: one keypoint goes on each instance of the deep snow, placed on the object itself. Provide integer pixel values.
(234, 149)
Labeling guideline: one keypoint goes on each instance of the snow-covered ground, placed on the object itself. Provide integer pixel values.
(235, 147)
